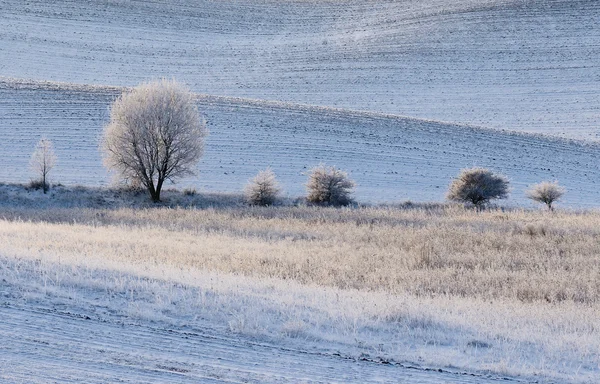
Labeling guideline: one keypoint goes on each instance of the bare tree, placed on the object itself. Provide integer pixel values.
(478, 186)
(42, 161)
(546, 192)
(155, 134)
(329, 185)
(263, 189)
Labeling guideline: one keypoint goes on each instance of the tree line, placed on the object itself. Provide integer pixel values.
(156, 134)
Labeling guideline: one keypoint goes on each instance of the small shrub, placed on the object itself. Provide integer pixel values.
(189, 192)
(534, 230)
(329, 185)
(263, 189)
(36, 185)
(478, 186)
(546, 192)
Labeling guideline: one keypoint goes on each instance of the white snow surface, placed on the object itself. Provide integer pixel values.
(68, 323)
(64, 346)
(509, 64)
(392, 158)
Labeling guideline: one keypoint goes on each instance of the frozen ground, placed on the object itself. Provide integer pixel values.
(65, 345)
(67, 317)
(513, 64)
(144, 352)
(523, 66)
(392, 158)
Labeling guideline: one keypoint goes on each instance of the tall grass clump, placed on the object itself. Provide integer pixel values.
(263, 189)
(329, 186)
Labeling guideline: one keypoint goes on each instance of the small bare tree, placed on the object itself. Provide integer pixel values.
(478, 186)
(546, 192)
(329, 185)
(263, 189)
(155, 134)
(42, 161)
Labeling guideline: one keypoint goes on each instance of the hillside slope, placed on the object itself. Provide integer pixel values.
(392, 158)
(519, 65)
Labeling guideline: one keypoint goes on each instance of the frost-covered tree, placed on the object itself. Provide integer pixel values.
(478, 186)
(329, 185)
(546, 192)
(263, 189)
(155, 134)
(42, 161)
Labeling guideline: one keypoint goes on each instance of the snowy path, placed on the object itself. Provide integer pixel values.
(519, 65)
(42, 345)
(392, 158)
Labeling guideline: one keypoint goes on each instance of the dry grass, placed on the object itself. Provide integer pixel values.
(514, 292)
(519, 255)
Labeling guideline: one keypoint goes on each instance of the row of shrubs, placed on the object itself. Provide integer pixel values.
(480, 185)
(331, 186)
(326, 185)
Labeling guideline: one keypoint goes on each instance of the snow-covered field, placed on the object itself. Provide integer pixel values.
(62, 323)
(391, 158)
(506, 84)
(510, 64)
(334, 293)
(143, 295)
(501, 64)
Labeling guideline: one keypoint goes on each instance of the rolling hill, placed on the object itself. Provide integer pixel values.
(507, 64)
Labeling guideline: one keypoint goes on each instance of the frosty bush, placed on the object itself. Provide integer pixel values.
(478, 186)
(42, 161)
(546, 192)
(155, 134)
(263, 189)
(329, 185)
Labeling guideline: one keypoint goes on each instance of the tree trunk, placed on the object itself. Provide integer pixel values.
(155, 191)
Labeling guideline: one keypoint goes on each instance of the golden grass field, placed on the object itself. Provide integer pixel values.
(527, 256)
